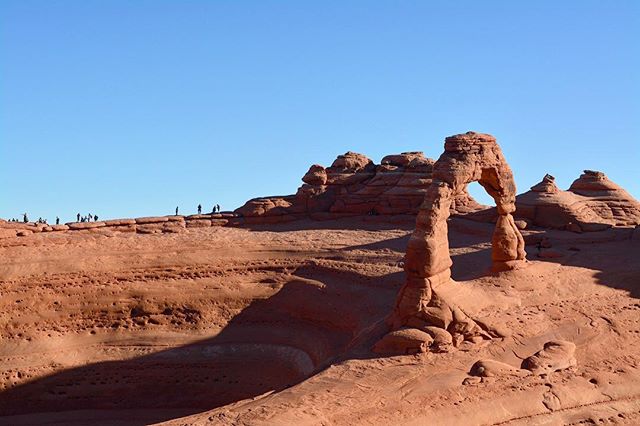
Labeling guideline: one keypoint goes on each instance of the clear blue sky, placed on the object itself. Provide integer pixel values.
(128, 108)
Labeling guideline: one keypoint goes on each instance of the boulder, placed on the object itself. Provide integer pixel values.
(554, 356)
(492, 368)
(403, 341)
(317, 175)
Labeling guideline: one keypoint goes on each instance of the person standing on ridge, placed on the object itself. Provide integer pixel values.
(176, 210)
(78, 218)
(25, 219)
(218, 207)
(199, 208)
(57, 220)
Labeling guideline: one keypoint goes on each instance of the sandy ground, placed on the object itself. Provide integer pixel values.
(274, 325)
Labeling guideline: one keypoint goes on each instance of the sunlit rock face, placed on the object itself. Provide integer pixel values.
(355, 186)
(468, 157)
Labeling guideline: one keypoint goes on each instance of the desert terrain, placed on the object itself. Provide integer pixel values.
(378, 294)
(274, 324)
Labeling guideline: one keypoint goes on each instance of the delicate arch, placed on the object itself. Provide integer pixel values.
(467, 158)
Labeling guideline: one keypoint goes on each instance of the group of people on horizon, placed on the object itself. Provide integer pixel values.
(94, 218)
(216, 208)
(87, 218)
(25, 219)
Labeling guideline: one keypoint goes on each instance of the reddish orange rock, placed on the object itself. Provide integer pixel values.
(592, 203)
(355, 186)
(467, 158)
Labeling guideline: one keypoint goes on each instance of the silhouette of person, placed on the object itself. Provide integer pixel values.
(78, 217)
(25, 219)
(199, 208)
(57, 220)
(89, 217)
(218, 207)
(176, 210)
(95, 218)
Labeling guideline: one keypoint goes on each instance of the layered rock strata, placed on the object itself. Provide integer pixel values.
(141, 225)
(469, 157)
(355, 186)
(592, 203)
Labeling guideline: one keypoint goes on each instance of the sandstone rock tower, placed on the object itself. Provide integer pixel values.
(469, 157)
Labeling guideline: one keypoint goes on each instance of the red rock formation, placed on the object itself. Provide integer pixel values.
(467, 158)
(141, 225)
(608, 200)
(355, 186)
(592, 203)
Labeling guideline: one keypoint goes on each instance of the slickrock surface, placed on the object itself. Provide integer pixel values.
(355, 186)
(274, 325)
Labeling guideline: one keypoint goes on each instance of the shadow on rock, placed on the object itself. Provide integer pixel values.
(272, 344)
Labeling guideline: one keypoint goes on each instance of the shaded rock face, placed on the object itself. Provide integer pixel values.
(467, 158)
(592, 203)
(354, 186)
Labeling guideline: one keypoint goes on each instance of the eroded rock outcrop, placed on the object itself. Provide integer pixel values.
(467, 158)
(141, 225)
(592, 203)
(606, 199)
(554, 356)
(354, 186)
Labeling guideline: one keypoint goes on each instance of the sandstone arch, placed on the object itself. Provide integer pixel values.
(467, 158)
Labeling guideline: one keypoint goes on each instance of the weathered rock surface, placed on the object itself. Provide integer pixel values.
(355, 186)
(608, 200)
(152, 219)
(141, 225)
(492, 368)
(403, 341)
(85, 225)
(467, 158)
(592, 203)
(555, 355)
